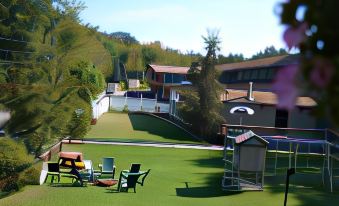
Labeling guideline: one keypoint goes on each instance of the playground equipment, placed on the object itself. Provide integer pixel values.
(311, 151)
(244, 158)
(332, 156)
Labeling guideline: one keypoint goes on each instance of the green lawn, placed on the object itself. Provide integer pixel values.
(137, 127)
(178, 177)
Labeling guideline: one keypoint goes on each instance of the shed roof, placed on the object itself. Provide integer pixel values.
(276, 61)
(248, 135)
(169, 69)
(261, 97)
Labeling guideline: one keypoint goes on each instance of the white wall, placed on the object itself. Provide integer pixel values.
(100, 106)
(264, 115)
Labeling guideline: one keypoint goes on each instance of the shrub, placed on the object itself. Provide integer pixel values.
(13, 160)
(30, 176)
(9, 184)
(123, 86)
(125, 109)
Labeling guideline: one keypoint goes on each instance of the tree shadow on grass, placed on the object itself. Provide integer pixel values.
(155, 126)
(212, 188)
(212, 162)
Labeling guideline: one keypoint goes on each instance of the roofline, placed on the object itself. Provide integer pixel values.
(255, 60)
(148, 66)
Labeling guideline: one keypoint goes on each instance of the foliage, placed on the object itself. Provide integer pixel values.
(312, 28)
(205, 116)
(135, 56)
(124, 37)
(125, 109)
(13, 160)
(78, 126)
(144, 85)
(231, 58)
(70, 8)
(46, 86)
(84, 73)
(269, 52)
(30, 176)
(149, 55)
(123, 85)
(189, 109)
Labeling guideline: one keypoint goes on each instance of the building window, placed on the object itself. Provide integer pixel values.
(281, 118)
(270, 74)
(240, 73)
(234, 76)
(247, 75)
(262, 73)
(254, 74)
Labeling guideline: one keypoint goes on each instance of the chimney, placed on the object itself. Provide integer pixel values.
(250, 92)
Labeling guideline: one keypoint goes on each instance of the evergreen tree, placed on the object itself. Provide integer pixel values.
(202, 107)
(209, 89)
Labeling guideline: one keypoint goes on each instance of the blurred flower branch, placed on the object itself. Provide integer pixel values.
(311, 27)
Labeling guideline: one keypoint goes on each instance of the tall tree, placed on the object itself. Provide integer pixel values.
(202, 106)
(208, 88)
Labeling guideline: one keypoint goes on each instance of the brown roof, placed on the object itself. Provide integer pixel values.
(264, 98)
(275, 61)
(169, 69)
(248, 135)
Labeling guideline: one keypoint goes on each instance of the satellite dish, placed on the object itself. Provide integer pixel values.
(242, 110)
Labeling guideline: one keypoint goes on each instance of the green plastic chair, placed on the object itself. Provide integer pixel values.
(107, 166)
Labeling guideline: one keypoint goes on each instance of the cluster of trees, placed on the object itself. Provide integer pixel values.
(51, 67)
(268, 52)
(135, 55)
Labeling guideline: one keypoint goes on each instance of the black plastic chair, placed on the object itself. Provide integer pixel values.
(145, 174)
(130, 180)
(135, 168)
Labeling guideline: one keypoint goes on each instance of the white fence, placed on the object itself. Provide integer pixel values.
(100, 106)
(137, 104)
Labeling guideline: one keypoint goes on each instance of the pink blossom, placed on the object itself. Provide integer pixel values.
(294, 36)
(285, 88)
(322, 72)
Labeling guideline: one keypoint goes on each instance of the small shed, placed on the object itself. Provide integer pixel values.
(244, 162)
(250, 152)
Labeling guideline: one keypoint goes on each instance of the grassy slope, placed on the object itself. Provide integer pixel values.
(172, 170)
(120, 126)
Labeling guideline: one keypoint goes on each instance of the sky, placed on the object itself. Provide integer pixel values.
(245, 26)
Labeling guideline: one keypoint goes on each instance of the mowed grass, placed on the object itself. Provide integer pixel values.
(177, 177)
(137, 127)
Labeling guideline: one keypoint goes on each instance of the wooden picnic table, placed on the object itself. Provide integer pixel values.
(70, 160)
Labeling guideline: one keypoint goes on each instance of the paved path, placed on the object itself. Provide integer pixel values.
(148, 144)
